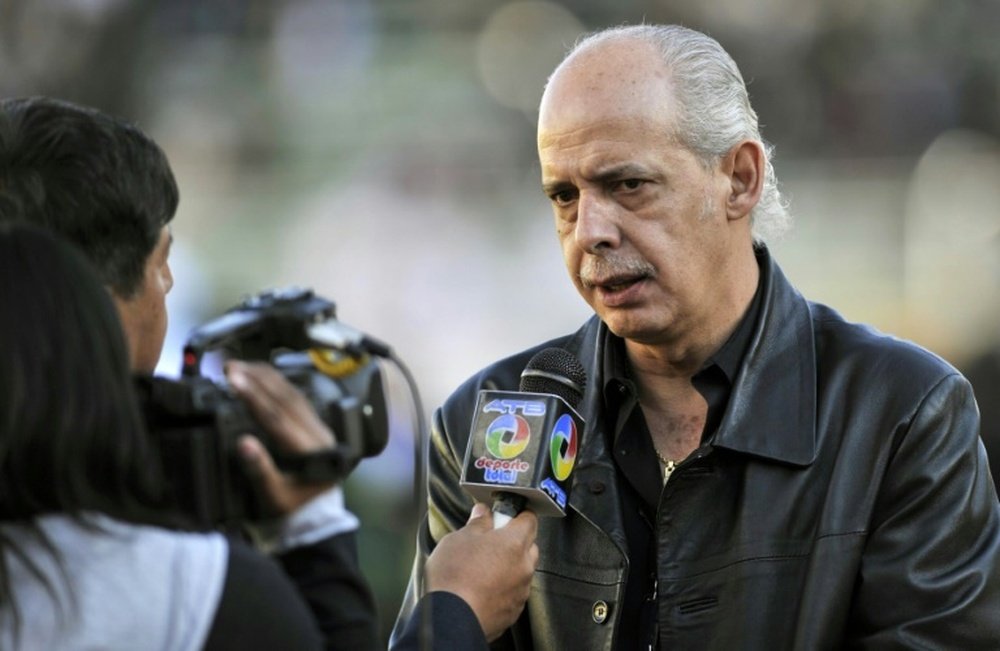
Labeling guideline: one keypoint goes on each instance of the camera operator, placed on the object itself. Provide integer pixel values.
(104, 186)
(90, 557)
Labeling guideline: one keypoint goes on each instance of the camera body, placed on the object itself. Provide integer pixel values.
(195, 422)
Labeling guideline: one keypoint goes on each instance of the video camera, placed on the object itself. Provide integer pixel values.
(195, 422)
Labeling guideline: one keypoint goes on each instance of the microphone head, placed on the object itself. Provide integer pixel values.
(555, 371)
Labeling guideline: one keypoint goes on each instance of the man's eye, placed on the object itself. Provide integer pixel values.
(563, 197)
(631, 184)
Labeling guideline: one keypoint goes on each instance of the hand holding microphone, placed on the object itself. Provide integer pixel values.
(490, 570)
(523, 445)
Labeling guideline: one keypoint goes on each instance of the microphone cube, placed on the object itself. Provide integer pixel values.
(522, 443)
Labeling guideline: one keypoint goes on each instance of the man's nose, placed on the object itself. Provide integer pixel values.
(596, 223)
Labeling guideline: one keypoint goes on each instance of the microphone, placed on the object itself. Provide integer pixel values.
(523, 444)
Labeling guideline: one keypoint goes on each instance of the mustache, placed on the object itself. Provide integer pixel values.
(603, 270)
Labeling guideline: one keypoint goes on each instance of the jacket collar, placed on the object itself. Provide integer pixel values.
(772, 407)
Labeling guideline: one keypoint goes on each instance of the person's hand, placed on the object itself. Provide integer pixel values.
(489, 568)
(283, 412)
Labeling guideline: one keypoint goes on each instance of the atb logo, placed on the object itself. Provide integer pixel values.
(506, 406)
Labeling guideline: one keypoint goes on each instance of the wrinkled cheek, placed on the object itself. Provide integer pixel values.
(573, 270)
(570, 251)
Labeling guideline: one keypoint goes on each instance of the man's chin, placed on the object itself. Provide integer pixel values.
(635, 326)
(624, 328)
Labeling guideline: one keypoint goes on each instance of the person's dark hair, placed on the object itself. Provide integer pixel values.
(72, 439)
(93, 179)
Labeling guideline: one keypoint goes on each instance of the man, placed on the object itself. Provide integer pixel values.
(105, 186)
(756, 472)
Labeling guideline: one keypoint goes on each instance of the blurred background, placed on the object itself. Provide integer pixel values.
(382, 152)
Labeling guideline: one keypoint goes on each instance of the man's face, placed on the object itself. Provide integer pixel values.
(642, 222)
(144, 316)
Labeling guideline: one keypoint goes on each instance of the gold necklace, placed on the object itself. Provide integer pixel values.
(669, 465)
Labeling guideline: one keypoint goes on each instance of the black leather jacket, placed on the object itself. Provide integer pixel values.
(844, 502)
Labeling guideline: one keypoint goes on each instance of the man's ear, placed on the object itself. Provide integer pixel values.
(744, 167)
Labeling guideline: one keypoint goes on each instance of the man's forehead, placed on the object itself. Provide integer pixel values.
(621, 65)
(606, 92)
(619, 130)
(610, 127)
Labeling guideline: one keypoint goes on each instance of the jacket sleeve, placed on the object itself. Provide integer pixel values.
(448, 508)
(441, 621)
(260, 608)
(930, 571)
(328, 577)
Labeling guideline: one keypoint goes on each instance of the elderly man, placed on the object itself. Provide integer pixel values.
(756, 472)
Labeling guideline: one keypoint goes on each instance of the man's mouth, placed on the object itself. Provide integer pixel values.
(614, 284)
(618, 284)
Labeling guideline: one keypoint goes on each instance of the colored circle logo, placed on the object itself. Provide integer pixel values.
(507, 436)
(562, 446)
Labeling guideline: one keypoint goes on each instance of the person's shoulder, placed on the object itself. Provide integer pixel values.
(137, 538)
(882, 357)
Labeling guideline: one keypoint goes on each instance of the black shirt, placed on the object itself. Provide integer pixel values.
(640, 477)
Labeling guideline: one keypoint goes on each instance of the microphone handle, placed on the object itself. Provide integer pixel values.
(505, 507)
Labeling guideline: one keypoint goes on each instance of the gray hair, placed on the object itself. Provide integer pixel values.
(714, 108)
